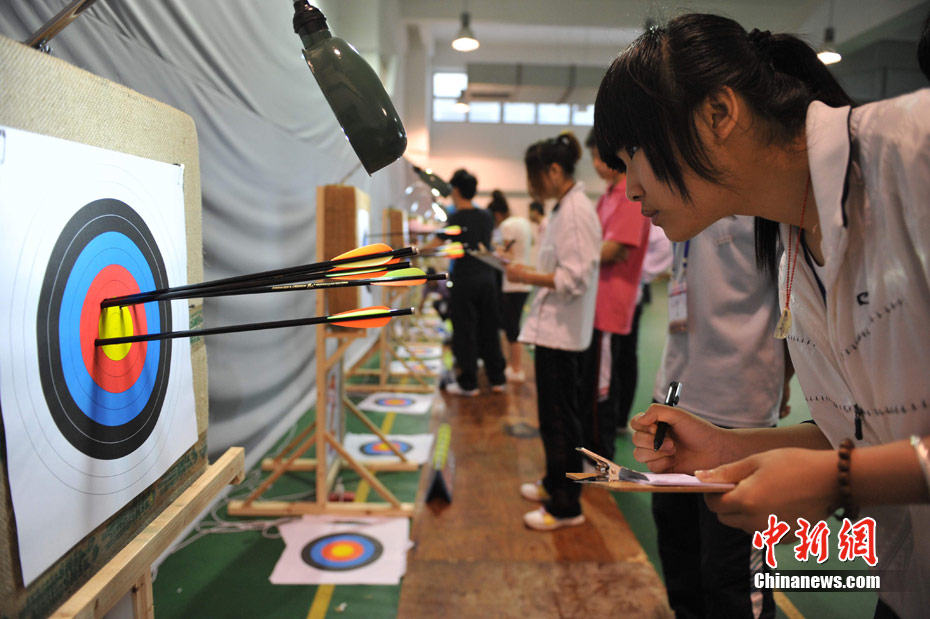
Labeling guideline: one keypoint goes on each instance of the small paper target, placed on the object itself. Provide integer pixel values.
(340, 552)
(395, 402)
(105, 400)
(380, 448)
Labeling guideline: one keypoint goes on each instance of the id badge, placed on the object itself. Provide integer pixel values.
(677, 306)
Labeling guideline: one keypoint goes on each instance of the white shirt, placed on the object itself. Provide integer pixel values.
(518, 233)
(866, 340)
(731, 368)
(563, 317)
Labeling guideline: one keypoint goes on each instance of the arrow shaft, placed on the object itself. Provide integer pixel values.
(252, 326)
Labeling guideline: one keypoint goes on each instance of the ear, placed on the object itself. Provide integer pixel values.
(720, 112)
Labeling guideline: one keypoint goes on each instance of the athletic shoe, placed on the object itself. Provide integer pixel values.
(456, 389)
(541, 520)
(534, 491)
(501, 388)
(513, 376)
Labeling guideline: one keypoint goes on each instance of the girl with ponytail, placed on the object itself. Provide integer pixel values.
(559, 323)
(713, 121)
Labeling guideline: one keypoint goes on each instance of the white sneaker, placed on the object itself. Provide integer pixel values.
(534, 491)
(455, 389)
(541, 520)
(513, 376)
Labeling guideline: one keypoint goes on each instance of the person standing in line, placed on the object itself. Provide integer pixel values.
(622, 250)
(559, 324)
(515, 246)
(473, 307)
(713, 121)
(722, 314)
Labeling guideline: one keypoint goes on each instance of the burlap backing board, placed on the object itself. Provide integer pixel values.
(42, 94)
(337, 208)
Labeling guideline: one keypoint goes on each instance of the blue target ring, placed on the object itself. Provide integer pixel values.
(341, 552)
(103, 409)
(378, 448)
(103, 406)
(395, 402)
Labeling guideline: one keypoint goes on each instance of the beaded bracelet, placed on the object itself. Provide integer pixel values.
(844, 452)
(923, 456)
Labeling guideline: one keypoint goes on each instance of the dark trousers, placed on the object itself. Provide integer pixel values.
(625, 372)
(557, 380)
(600, 420)
(475, 315)
(707, 565)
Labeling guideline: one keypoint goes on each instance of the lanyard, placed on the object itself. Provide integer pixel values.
(683, 267)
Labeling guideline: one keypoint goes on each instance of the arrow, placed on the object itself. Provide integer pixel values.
(369, 255)
(401, 277)
(449, 250)
(365, 318)
(448, 231)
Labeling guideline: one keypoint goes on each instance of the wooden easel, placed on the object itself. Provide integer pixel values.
(395, 228)
(130, 570)
(337, 206)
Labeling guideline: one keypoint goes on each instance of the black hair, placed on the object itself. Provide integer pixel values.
(923, 49)
(538, 207)
(563, 150)
(652, 90)
(498, 203)
(466, 183)
(591, 143)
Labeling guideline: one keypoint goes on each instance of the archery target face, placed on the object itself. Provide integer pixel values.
(395, 401)
(405, 403)
(87, 428)
(380, 448)
(341, 551)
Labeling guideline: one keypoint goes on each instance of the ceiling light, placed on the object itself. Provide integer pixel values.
(465, 40)
(827, 53)
(461, 105)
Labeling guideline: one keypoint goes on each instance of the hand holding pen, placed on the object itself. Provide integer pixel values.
(671, 399)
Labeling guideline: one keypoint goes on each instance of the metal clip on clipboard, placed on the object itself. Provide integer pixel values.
(608, 470)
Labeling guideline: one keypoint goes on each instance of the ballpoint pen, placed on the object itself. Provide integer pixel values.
(671, 399)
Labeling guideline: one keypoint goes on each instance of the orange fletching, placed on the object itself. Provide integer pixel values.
(379, 317)
(360, 253)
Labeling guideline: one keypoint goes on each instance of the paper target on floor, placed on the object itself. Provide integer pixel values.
(427, 366)
(404, 403)
(87, 428)
(333, 550)
(370, 448)
(421, 350)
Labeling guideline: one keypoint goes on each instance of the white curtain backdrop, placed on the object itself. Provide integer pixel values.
(267, 139)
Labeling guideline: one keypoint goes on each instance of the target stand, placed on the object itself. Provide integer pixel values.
(395, 227)
(130, 570)
(339, 209)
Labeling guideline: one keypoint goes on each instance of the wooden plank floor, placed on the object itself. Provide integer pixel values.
(475, 558)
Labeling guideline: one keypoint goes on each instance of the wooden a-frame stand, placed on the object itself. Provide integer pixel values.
(395, 227)
(130, 570)
(336, 205)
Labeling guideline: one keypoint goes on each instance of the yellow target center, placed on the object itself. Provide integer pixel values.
(116, 322)
(340, 551)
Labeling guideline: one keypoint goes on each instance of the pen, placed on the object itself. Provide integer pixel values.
(671, 399)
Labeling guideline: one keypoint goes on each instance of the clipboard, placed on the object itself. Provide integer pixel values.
(489, 258)
(618, 478)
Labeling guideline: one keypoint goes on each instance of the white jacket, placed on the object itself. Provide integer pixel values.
(563, 317)
(860, 332)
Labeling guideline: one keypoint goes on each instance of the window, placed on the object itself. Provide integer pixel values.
(583, 115)
(520, 113)
(484, 112)
(444, 111)
(449, 84)
(448, 87)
